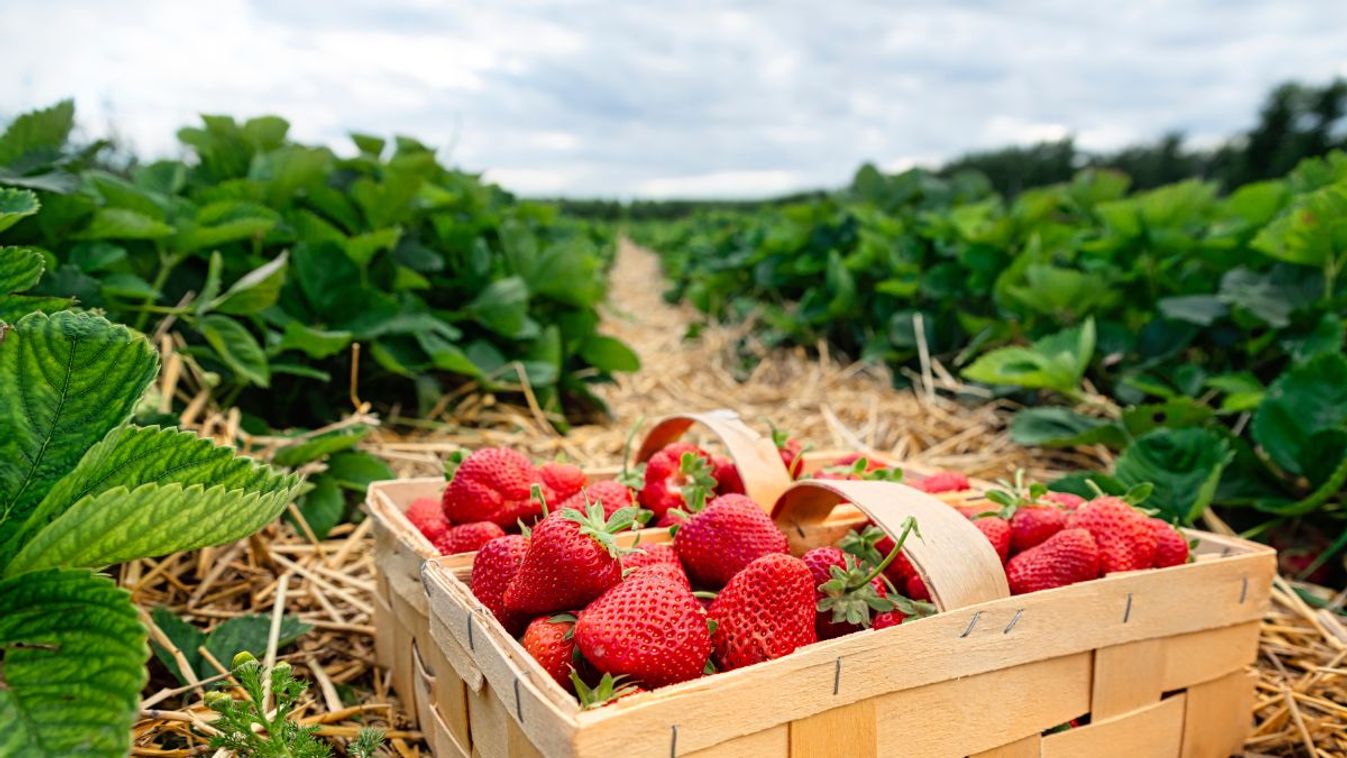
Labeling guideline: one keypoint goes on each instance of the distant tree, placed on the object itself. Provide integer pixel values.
(1014, 169)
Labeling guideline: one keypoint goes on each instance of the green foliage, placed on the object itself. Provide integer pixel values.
(274, 258)
(248, 633)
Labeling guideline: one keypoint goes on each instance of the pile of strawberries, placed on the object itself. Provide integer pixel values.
(606, 617)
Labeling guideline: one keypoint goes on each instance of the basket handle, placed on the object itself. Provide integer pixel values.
(958, 564)
(764, 475)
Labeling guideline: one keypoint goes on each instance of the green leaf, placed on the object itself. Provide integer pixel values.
(256, 290)
(1185, 466)
(503, 307)
(1055, 362)
(363, 247)
(1243, 391)
(223, 222)
(1307, 399)
(356, 470)
(314, 343)
(237, 348)
(67, 379)
(123, 224)
(43, 130)
(1062, 427)
(1174, 413)
(72, 653)
(1325, 337)
(92, 257)
(1203, 310)
(15, 307)
(609, 354)
(15, 205)
(20, 269)
(129, 287)
(1311, 231)
(185, 637)
(323, 506)
(251, 633)
(313, 448)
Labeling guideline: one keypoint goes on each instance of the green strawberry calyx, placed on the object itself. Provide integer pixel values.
(849, 594)
(452, 462)
(699, 483)
(607, 690)
(603, 530)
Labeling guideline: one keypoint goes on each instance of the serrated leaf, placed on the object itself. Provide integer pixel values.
(503, 307)
(322, 507)
(255, 291)
(72, 653)
(1056, 362)
(1305, 400)
(1062, 427)
(316, 447)
(315, 343)
(15, 307)
(40, 130)
(15, 205)
(237, 347)
(73, 377)
(355, 470)
(609, 354)
(20, 269)
(1311, 231)
(1185, 466)
(251, 633)
(185, 637)
(123, 224)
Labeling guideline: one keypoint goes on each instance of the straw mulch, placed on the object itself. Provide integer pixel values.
(829, 403)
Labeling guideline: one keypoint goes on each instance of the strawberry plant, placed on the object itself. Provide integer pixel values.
(273, 258)
(80, 490)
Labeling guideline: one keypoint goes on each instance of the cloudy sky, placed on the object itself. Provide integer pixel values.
(677, 98)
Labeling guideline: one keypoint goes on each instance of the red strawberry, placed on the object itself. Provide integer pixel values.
(1066, 557)
(549, 640)
(648, 627)
(1126, 542)
(726, 475)
(915, 588)
(1171, 547)
(821, 562)
(998, 532)
(943, 481)
(609, 493)
(650, 555)
(427, 515)
(850, 459)
(1066, 500)
(1031, 525)
(672, 571)
(564, 479)
(495, 565)
(765, 612)
(887, 619)
(493, 484)
(572, 559)
(666, 474)
(791, 452)
(466, 538)
(727, 535)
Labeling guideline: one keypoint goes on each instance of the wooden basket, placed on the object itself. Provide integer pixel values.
(1156, 659)
(401, 617)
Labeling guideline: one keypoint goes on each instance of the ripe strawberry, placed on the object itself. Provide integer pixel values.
(1171, 547)
(1031, 525)
(848, 597)
(466, 538)
(609, 493)
(572, 558)
(765, 612)
(549, 639)
(791, 452)
(871, 545)
(1066, 557)
(648, 627)
(493, 484)
(672, 571)
(564, 479)
(944, 481)
(724, 537)
(493, 568)
(1126, 542)
(726, 475)
(427, 515)
(667, 473)
(998, 532)
(650, 555)
(856, 466)
(887, 619)
(915, 588)
(1066, 500)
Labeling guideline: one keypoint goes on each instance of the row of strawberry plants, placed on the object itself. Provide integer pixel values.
(272, 258)
(1200, 334)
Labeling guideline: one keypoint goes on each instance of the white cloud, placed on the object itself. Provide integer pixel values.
(682, 97)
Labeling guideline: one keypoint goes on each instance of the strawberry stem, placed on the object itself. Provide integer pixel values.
(909, 526)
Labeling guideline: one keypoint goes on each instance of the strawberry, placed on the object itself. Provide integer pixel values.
(572, 558)
(650, 555)
(466, 538)
(943, 481)
(564, 479)
(670, 471)
(427, 515)
(1066, 557)
(726, 475)
(871, 545)
(549, 639)
(493, 484)
(887, 619)
(493, 568)
(1031, 525)
(1125, 539)
(609, 493)
(672, 571)
(821, 561)
(855, 466)
(765, 612)
(648, 627)
(848, 592)
(791, 452)
(998, 531)
(1065, 500)
(718, 541)
(915, 588)
(1171, 547)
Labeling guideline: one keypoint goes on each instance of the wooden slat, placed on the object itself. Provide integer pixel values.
(769, 743)
(423, 684)
(1151, 732)
(494, 732)
(450, 694)
(1207, 655)
(442, 741)
(454, 654)
(975, 713)
(847, 731)
(403, 668)
(1029, 747)
(1127, 677)
(1218, 716)
(383, 632)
